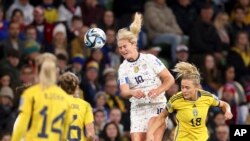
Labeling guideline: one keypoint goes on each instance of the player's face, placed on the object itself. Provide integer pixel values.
(188, 89)
(127, 49)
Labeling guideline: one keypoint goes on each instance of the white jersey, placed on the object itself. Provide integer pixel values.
(142, 74)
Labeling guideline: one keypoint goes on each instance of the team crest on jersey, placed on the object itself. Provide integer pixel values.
(136, 69)
(144, 66)
(195, 112)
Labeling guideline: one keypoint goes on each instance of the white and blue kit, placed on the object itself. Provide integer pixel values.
(143, 74)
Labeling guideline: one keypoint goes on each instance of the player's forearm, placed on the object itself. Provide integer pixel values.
(127, 93)
(225, 106)
(90, 132)
(20, 127)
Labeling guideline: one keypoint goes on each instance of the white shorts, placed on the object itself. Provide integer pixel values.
(140, 115)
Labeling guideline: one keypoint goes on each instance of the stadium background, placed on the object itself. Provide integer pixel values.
(213, 34)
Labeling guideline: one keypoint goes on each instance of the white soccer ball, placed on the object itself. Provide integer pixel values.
(95, 38)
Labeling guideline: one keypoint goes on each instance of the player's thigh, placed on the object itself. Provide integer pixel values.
(138, 136)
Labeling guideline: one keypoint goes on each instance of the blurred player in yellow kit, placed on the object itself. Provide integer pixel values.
(43, 106)
(191, 106)
(81, 115)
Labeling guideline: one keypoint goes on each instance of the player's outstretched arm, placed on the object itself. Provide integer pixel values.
(226, 109)
(157, 122)
(20, 126)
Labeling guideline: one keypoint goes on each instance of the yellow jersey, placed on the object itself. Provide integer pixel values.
(80, 114)
(42, 114)
(191, 115)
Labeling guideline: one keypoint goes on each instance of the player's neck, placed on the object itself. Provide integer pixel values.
(135, 57)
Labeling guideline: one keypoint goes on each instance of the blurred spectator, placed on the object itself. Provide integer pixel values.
(238, 23)
(221, 23)
(44, 29)
(229, 96)
(50, 11)
(17, 17)
(31, 33)
(101, 103)
(62, 63)
(90, 84)
(116, 116)
(115, 58)
(203, 37)
(109, 73)
(5, 136)
(174, 89)
(5, 79)
(90, 8)
(239, 56)
(211, 74)
(73, 30)
(222, 133)
(162, 29)
(113, 98)
(59, 42)
(67, 10)
(100, 121)
(77, 44)
(214, 121)
(7, 117)
(3, 25)
(185, 14)
(111, 132)
(25, 7)
(108, 21)
(110, 44)
(10, 64)
(245, 4)
(77, 65)
(182, 55)
(229, 77)
(13, 41)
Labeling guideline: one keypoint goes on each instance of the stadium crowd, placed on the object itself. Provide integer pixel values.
(212, 34)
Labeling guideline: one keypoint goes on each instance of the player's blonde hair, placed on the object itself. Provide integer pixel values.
(46, 64)
(69, 82)
(186, 70)
(132, 33)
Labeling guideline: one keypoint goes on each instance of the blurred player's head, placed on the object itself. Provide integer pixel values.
(47, 71)
(127, 39)
(68, 82)
(190, 79)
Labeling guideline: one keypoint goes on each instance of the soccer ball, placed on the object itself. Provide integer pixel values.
(95, 38)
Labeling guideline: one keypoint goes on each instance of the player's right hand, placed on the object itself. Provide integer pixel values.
(138, 94)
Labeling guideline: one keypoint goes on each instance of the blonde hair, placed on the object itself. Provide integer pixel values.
(186, 70)
(132, 33)
(46, 64)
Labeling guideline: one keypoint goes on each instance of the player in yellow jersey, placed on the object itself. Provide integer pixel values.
(43, 106)
(81, 115)
(191, 106)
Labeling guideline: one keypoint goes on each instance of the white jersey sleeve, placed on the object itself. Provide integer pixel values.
(122, 75)
(155, 63)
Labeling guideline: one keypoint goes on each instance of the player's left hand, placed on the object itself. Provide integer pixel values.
(228, 115)
(153, 93)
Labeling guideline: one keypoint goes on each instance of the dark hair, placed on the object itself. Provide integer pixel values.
(16, 11)
(62, 57)
(76, 18)
(104, 132)
(13, 53)
(4, 133)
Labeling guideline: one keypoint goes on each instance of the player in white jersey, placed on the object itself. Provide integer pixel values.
(144, 79)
